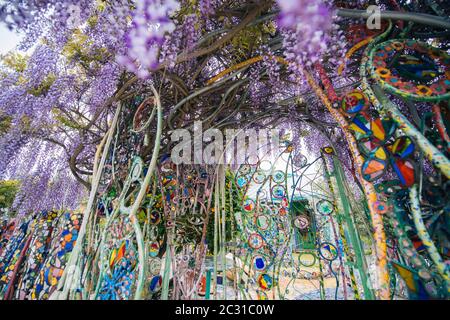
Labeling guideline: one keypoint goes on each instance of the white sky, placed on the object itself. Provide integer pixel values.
(8, 39)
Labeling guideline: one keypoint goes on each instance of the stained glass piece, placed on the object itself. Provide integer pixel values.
(403, 147)
(373, 169)
(405, 170)
(354, 102)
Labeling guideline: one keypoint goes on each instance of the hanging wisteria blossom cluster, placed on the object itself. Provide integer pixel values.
(151, 22)
(309, 23)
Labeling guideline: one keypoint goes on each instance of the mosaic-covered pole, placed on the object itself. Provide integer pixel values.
(377, 221)
(357, 247)
(368, 293)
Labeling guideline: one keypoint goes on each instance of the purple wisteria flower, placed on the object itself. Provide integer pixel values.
(308, 23)
(150, 24)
